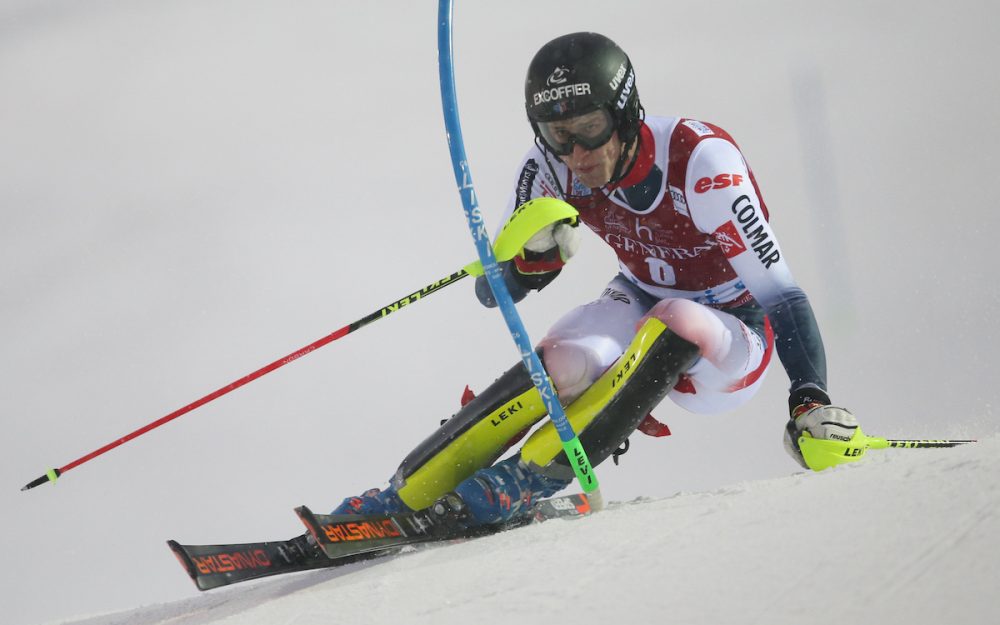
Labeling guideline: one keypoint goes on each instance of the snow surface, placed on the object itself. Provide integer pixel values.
(190, 189)
(908, 536)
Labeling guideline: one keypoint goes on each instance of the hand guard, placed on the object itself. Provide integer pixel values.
(549, 249)
(823, 422)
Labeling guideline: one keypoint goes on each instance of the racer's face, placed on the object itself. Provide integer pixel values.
(588, 144)
(594, 167)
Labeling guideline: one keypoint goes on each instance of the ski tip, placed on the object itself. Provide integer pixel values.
(309, 520)
(305, 514)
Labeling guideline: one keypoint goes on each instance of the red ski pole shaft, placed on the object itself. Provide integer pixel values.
(412, 298)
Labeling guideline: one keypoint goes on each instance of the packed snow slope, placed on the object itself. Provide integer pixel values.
(191, 189)
(907, 536)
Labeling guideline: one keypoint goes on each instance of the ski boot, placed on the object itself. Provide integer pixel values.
(372, 501)
(498, 495)
(492, 496)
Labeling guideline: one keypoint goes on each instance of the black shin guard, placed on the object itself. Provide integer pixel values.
(612, 408)
(472, 439)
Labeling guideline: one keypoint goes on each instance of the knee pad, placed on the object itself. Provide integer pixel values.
(576, 357)
(472, 439)
(571, 366)
(614, 405)
(696, 323)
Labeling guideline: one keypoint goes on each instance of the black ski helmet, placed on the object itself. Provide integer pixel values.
(579, 73)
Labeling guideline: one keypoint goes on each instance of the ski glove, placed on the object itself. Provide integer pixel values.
(549, 249)
(537, 264)
(825, 422)
(811, 412)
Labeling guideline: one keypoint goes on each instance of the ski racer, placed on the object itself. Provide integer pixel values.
(702, 299)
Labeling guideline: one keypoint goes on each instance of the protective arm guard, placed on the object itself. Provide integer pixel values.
(519, 284)
(614, 406)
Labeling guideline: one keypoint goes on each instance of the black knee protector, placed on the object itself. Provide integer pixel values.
(613, 406)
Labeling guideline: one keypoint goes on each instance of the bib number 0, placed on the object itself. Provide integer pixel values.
(661, 272)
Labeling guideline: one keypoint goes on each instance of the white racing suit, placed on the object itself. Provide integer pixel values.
(695, 250)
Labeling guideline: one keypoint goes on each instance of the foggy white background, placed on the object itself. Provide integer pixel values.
(191, 189)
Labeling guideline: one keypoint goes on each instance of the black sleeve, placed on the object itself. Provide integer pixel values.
(798, 341)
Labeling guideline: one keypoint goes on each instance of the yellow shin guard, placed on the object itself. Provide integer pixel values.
(613, 406)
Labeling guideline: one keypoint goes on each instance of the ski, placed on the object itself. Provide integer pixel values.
(340, 540)
(212, 566)
(351, 534)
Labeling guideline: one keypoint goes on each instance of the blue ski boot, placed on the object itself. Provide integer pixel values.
(502, 493)
(492, 496)
(373, 501)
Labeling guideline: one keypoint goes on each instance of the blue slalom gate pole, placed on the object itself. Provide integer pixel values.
(477, 227)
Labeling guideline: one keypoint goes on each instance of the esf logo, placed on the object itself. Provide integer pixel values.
(719, 182)
(729, 240)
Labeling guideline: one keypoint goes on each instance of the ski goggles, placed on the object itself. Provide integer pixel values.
(589, 131)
